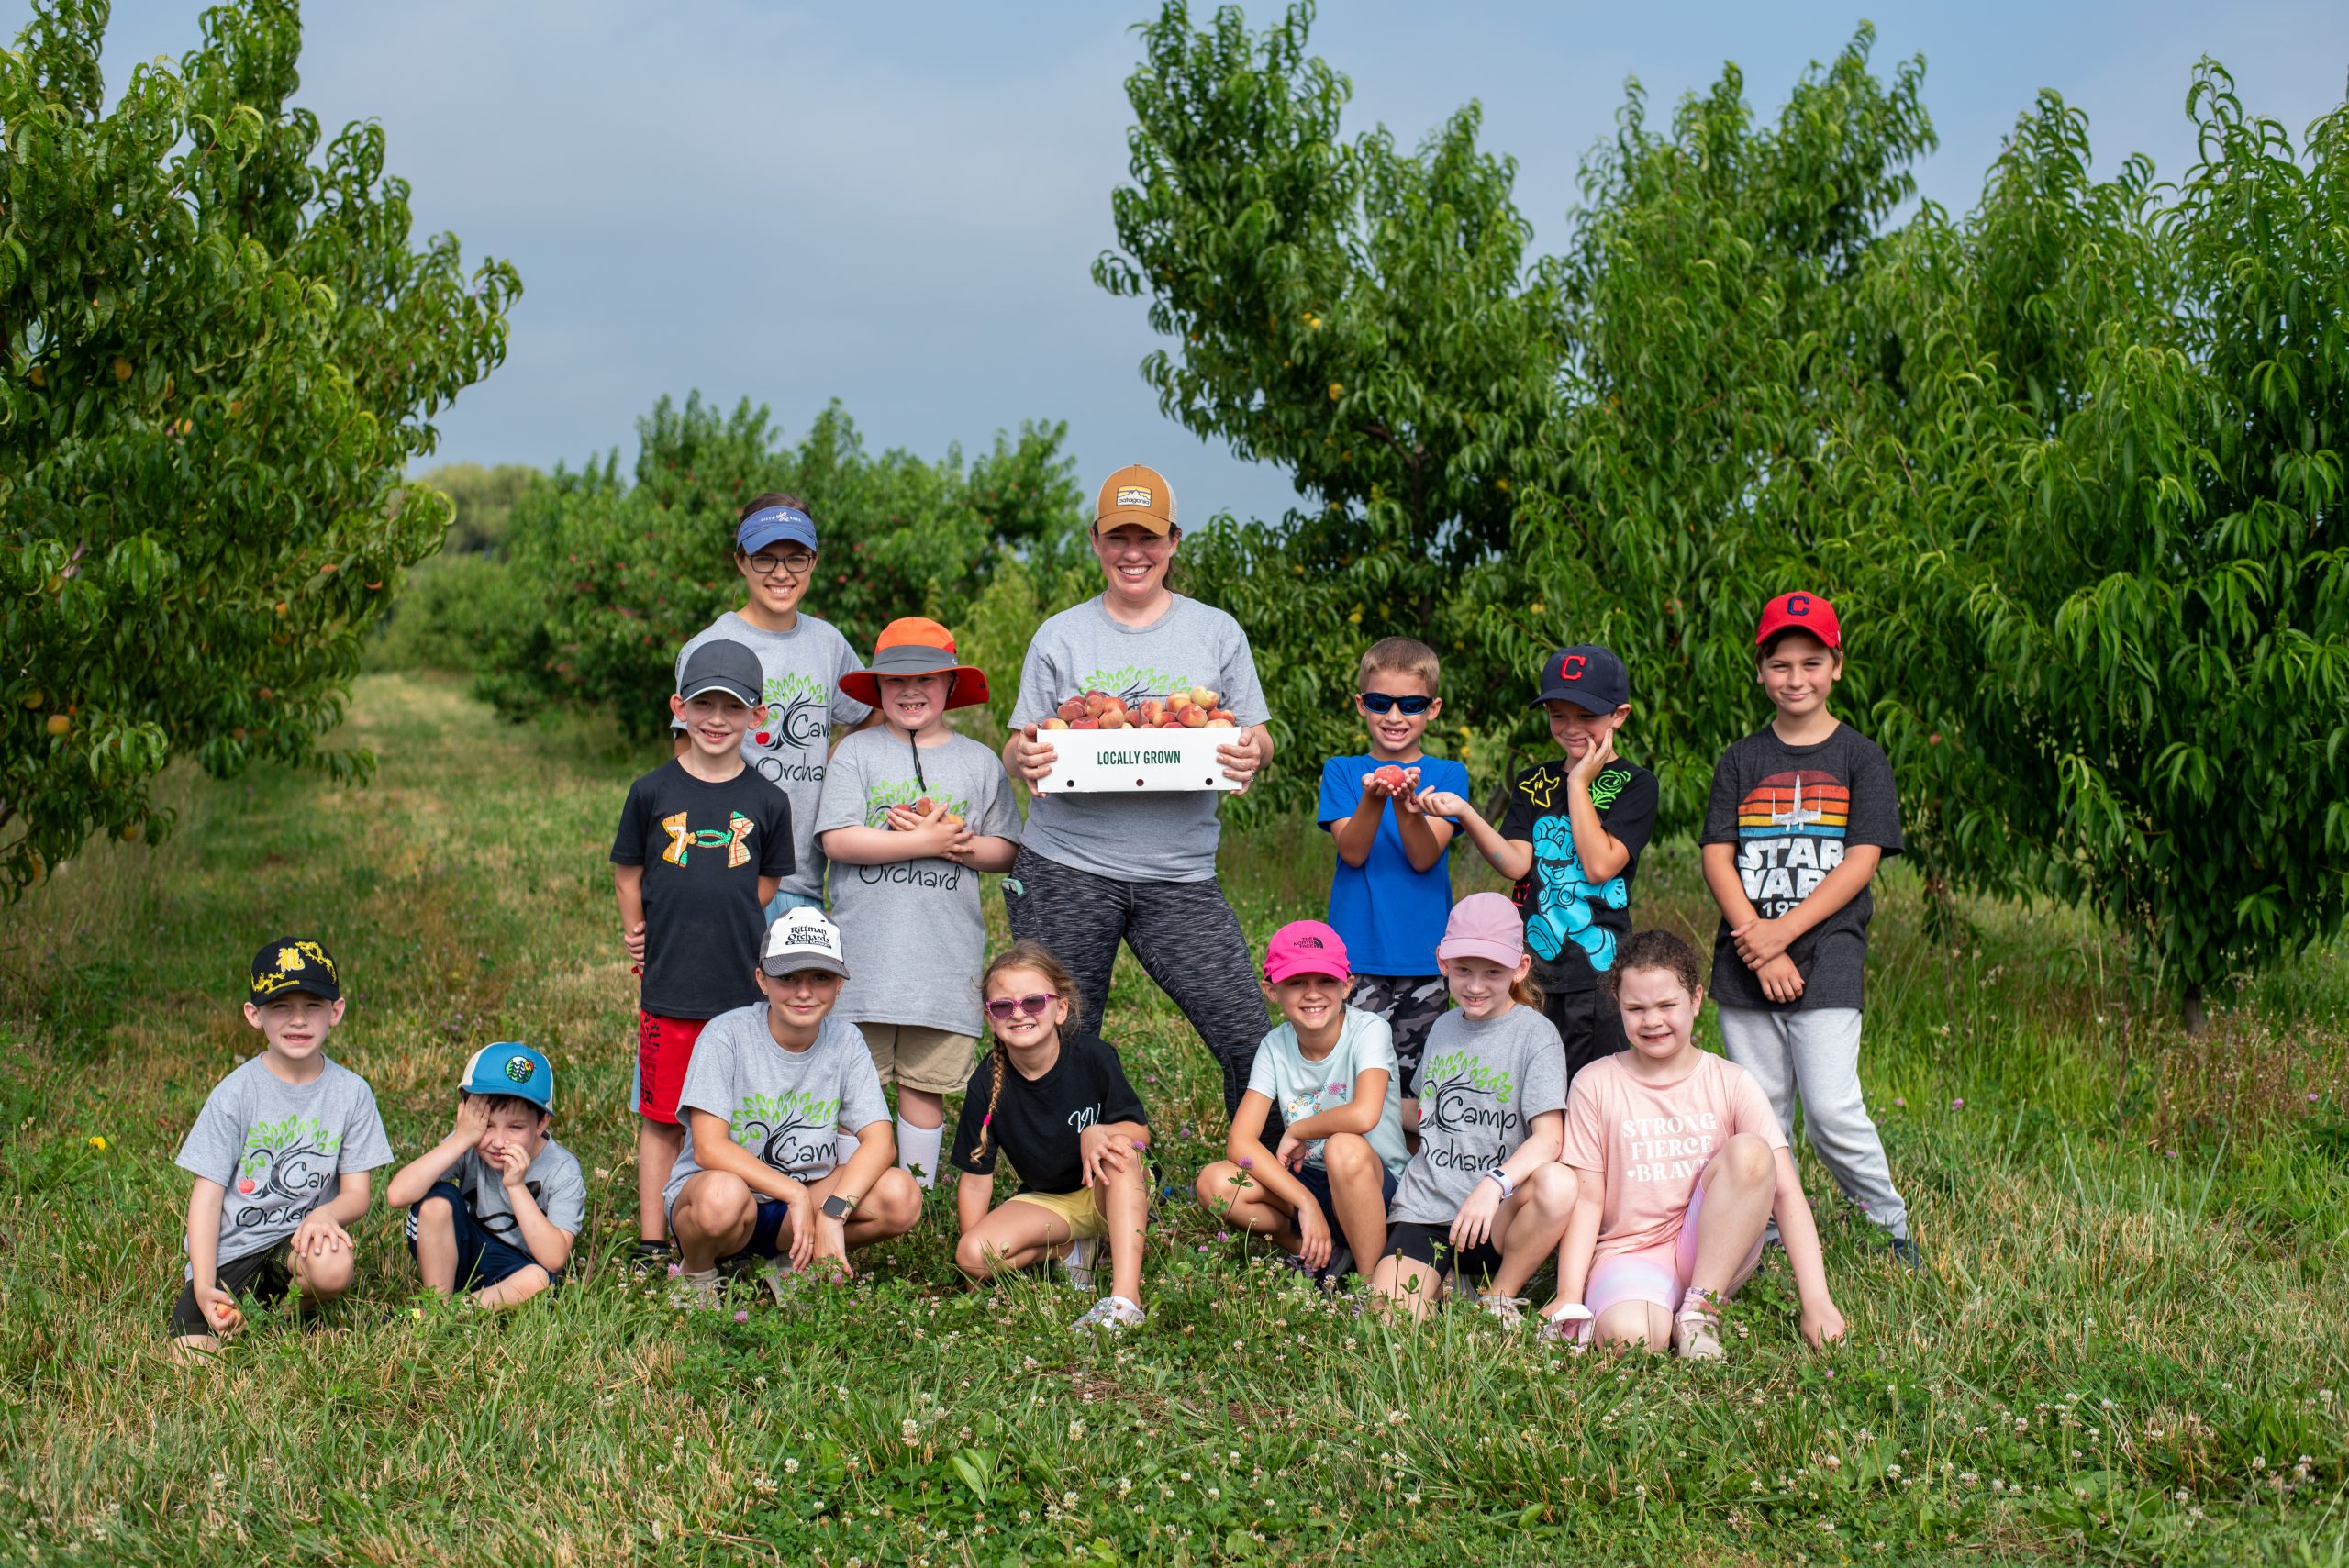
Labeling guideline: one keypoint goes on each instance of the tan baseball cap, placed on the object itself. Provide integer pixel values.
(1135, 494)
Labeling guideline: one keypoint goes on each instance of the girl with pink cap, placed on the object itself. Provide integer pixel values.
(1484, 1194)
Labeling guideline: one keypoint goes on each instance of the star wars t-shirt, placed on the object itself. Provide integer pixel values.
(1791, 811)
(1152, 835)
(805, 702)
(281, 1150)
(782, 1106)
(913, 931)
(1481, 1085)
(1573, 925)
(703, 847)
(1038, 1122)
(554, 1182)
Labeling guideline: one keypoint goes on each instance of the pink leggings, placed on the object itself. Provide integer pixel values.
(1658, 1273)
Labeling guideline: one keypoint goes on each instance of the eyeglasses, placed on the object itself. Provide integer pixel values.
(1380, 702)
(1033, 1004)
(796, 564)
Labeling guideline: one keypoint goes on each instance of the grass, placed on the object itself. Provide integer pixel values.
(2129, 1344)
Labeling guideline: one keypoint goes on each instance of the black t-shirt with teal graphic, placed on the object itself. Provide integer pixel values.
(1573, 925)
(703, 847)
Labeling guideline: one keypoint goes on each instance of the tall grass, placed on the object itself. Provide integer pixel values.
(2128, 1342)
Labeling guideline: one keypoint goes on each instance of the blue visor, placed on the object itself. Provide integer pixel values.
(771, 526)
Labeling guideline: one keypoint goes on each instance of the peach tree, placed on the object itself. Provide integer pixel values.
(219, 351)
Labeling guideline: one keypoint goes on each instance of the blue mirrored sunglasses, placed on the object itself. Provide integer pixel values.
(1380, 702)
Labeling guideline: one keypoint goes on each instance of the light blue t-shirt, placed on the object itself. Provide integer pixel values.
(1299, 1088)
(1389, 915)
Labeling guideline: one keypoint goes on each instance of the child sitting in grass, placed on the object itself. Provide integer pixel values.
(771, 1087)
(495, 1206)
(281, 1155)
(1059, 1106)
(1485, 1193)
(1679, 1162)
(1330, 1070)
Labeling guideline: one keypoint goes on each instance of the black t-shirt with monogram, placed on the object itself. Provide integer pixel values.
(703, 847)
(1791, 811)
(1037, 1123)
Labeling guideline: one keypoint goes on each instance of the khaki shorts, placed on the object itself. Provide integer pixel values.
(914, 1057)
(1077, 1210)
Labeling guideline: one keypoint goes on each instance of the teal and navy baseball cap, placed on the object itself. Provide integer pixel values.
(507, 1068)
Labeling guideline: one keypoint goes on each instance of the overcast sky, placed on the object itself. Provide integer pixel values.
(899, 205)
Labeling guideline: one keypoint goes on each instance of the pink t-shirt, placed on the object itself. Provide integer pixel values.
(1649, 1142)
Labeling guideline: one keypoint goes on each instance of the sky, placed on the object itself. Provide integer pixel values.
(899, 205)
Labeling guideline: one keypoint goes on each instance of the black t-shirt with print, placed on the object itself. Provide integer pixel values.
(1573, 925)
(1037, 1123)
(703, 847)
(1791, 811)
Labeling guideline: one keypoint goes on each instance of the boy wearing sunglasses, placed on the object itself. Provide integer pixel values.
(1570, 840)
(1392, 890)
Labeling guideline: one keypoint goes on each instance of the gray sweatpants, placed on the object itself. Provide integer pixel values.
(1817, 1054)
(1184, 933)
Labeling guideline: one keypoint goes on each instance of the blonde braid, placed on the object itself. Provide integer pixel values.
(995, 1093)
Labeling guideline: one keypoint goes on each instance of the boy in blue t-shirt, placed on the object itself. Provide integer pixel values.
(1392, 890)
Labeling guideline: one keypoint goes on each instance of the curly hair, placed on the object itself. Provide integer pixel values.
(1656, 949)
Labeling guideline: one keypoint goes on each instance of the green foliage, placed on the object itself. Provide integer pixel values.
(219, 356)
(483, 500)
(2070, 465)
(617, 575)
(451, 605)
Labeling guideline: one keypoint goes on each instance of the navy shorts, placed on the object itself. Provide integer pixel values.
(483, 1258)
(1316, 1182)
(1432, 1245)
(767, 1232)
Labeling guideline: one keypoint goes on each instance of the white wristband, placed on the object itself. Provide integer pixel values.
(1500, 1178)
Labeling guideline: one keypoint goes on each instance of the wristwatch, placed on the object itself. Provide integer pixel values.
(839, 1208)
(1499, 1178)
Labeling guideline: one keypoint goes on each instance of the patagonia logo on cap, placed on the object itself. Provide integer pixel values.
(1134, 495)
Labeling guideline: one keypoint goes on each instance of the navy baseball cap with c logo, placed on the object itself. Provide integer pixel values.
(1586, 675)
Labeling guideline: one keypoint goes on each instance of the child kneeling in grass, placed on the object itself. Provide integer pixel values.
(1486, 1192)
(1680, 1162)
(770, 1088)
(1330, 1070)
(495, 1206)
(1058, 1104)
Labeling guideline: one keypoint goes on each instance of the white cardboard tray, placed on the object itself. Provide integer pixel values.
(1106, 761)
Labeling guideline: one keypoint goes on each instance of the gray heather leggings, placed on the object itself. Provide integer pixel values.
(1818, 1053)
(1184, 934)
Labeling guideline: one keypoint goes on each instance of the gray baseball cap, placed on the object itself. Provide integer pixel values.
(721, 666)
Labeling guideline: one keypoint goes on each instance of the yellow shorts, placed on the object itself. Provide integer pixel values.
(916, 1057)
(1077, 1210)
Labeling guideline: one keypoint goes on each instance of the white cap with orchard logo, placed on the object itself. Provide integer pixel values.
(803, 939)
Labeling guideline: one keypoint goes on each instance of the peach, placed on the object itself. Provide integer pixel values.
(1195, 717)
(1223, 718)
(1152, 712)
(1085, 724)
(1055, 722)
(1072, 709)
(1204, 698)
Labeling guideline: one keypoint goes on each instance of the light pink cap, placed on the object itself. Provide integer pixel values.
(1305, 947)
(1484, 925)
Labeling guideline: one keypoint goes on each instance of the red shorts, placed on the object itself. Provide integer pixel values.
(664, 1047)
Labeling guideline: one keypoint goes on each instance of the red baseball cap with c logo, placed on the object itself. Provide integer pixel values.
(1800, 612)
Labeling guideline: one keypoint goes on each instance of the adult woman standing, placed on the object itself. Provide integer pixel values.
(1096, 870)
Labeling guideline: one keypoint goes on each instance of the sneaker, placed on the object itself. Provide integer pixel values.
(1111, 1312)
(1293, 1263)
(772, 1275)
(1696, 1328)
(1342, 1259)
(1509, 1309)
(697, 1293)
(1904, 1252)
(648, 1257)
(1570, 1325)
(1076, 1263)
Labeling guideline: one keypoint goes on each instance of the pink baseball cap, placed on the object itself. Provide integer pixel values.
(1305, 947)
(1484, 925)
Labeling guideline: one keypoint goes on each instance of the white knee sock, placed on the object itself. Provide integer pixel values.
(918, 1150)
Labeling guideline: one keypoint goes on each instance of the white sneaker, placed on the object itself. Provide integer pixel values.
(1696, 1328)
(1076, 1263)
(696, 1292)
(1509, 1309)
(1571, 1324)
(1112, 1312)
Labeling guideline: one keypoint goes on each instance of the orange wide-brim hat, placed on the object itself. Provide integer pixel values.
(916, 646)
